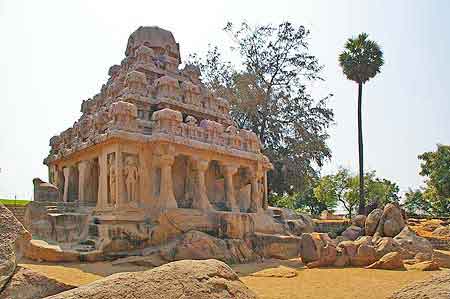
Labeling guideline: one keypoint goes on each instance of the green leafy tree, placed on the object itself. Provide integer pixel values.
(436, 167)
(267, 90)
(343, 188)
(416, 204)
(434, 198)
(360, 61)
(334, 189)
(304, 201)
(379, 191)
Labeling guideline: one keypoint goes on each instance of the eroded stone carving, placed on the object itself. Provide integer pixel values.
(131, 177)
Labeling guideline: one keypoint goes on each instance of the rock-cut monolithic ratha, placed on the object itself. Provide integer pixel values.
(153, 156)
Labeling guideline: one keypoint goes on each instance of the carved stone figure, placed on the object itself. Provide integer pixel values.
(112, 176)
(131, 178)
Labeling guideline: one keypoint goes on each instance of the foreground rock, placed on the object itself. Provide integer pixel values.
(12, 238)
(391, 261)
(425, 266)
(437, 287)
(27, 284)
(182, 279)
(412, 244)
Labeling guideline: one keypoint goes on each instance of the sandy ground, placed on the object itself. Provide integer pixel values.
(330, 283)
(272, 279)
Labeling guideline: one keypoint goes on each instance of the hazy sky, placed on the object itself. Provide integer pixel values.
(54, 54)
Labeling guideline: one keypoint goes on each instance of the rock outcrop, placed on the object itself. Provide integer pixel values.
(391, 222)
(436, 287)
(183, 279)
(27, 284)
(390, 261)
(372, 221)
(412, 244)
(13, 238)
(359, 221)
(425, 266)
(353, 232)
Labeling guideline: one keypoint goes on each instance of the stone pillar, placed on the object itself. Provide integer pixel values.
(166, 194)
(255, 197)
(120, 194)
(145, 188)
(200, 198)
(229, 171)
(66, 171)
(82, 181)
(102, 197)
(265, 196)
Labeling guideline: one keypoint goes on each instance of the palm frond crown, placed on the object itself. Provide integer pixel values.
(362, 59)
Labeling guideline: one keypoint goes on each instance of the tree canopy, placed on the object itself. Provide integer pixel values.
(362, 58)
(434, 198)
(340, 190)
(268, 94)
(343, 188)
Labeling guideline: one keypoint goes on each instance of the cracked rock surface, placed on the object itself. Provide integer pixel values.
(181, 279)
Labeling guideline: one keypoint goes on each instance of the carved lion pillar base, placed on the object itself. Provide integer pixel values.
(229, 171)
(200, 200)
(166, 194)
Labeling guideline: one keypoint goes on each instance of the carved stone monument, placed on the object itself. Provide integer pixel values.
(153, 156)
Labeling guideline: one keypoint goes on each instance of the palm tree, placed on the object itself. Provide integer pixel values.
(361, 60)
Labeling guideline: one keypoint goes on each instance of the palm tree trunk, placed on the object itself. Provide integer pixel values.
(362, 202)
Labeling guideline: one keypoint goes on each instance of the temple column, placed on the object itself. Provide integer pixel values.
(200, 198)
(166, 194)
(255, 198)
(66, 172)
(265, 198)
(120, 194)
(102, 197)
(82, 181)
(145, 189)
(229, 171)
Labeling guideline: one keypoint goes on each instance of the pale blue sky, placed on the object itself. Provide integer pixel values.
(54, 54)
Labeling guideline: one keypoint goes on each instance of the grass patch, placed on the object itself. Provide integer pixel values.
(12, 202)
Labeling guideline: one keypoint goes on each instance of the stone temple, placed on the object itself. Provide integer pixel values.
(154, 155)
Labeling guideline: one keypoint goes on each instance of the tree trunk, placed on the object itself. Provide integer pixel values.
(362, 202)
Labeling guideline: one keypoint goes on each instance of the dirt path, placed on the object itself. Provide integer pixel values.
(272, 279)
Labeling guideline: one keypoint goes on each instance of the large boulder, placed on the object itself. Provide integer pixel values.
(359, 220)
(391, 222)
(276, 246)
(442, 258)
(386, 245)
(365, 255)
(372, 220)
(14, 237)
(412, 244)
(425, 266)
(27, 284)
(311, 246)
(328, 256)
(181, 279)
(200, 246)
(353, 232)
(390, 261)
(304, 224)
(436, 287)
